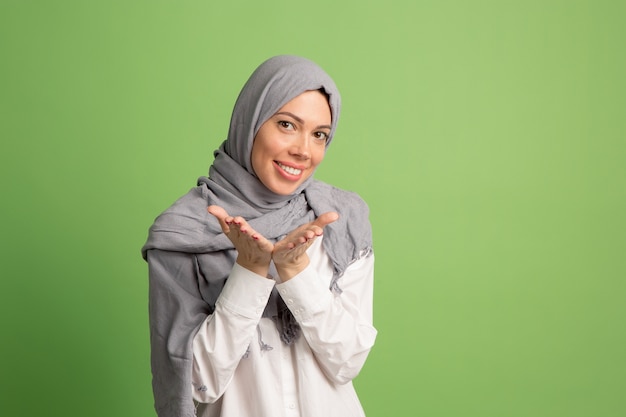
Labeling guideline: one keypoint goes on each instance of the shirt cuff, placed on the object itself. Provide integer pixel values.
(245, 293)
(305, 294)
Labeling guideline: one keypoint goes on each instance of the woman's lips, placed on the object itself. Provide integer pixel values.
(288, 171)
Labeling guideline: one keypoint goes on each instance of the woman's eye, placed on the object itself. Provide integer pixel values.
(323, 136)
(285, 124)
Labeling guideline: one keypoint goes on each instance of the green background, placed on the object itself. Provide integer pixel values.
(488, 138)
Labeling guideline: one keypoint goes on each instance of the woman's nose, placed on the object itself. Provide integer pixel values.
(301, 147)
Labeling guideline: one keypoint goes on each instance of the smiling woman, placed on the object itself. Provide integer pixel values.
(261, 277)
(291, 144)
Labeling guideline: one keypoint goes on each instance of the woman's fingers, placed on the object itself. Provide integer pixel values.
(221, 215)
(244, 237)
(316, 227)
(325, 219)
(304, 235)
(217, 211)
(247, 240)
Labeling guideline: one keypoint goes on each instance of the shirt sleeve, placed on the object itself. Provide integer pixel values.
(223, 338)
(337, 327)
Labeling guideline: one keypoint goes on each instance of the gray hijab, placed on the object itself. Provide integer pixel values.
(187, 228)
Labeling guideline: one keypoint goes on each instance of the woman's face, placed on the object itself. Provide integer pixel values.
(291, 144)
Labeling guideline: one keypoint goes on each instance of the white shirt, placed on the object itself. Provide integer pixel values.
(232, 376)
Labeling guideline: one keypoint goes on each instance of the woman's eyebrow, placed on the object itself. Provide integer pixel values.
(299, 120)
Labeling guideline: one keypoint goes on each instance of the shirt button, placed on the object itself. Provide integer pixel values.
(283, 291)
(292, 406)
(290, 301)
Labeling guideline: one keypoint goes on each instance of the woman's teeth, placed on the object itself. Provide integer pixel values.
(290, 170)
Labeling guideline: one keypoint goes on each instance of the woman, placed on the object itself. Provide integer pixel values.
(261, 277)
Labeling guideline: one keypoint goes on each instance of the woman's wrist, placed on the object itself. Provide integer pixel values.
(289, 270)
(259, 268)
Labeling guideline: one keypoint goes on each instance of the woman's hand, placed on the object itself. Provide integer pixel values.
(290, 255)
(254, 252)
